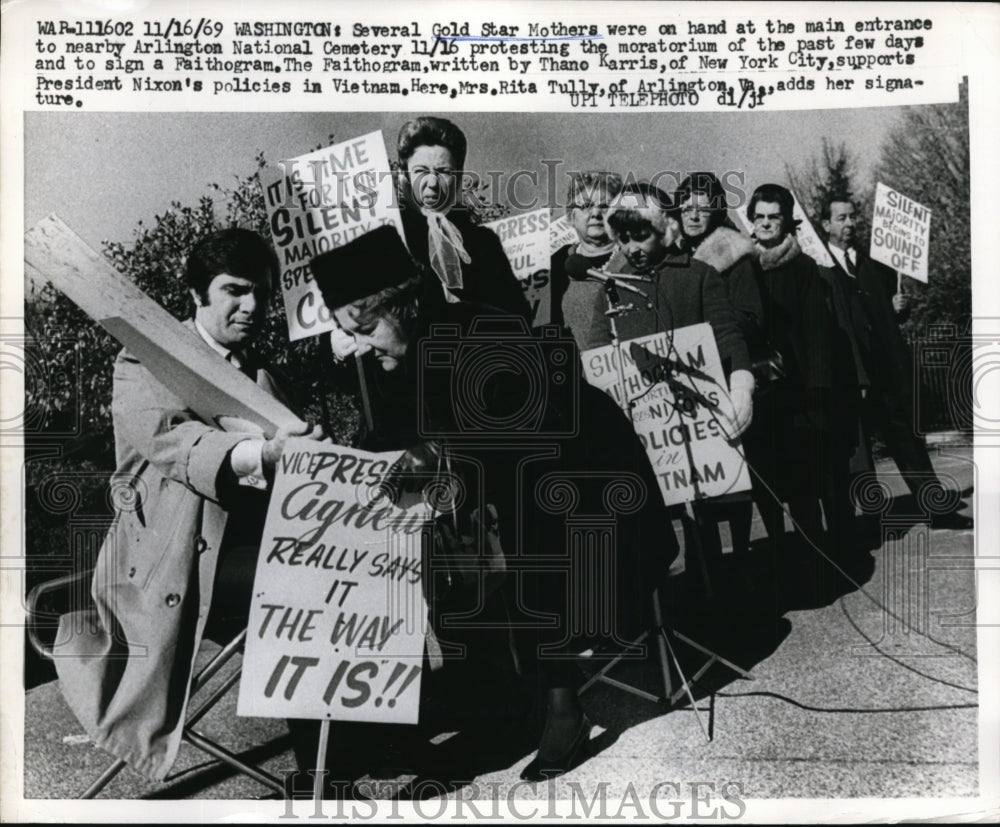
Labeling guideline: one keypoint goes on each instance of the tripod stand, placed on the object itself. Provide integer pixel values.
(666, 636)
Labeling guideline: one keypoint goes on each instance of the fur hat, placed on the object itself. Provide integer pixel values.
(362, 267)
(644, 199)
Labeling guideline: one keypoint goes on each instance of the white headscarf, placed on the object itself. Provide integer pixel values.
(446, 251)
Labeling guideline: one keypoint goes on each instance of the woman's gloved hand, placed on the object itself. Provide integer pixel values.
(413, 471)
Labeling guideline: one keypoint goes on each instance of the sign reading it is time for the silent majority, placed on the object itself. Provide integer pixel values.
(317, 202)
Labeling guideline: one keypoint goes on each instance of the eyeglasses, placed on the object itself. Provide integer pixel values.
(624, 236)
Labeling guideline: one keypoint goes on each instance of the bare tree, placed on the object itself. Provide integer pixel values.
(926, 157)
(833, 172)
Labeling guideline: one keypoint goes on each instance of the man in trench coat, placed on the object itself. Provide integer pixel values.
(125, 664)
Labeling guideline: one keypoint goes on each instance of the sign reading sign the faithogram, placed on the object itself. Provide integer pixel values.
(673, 386)
(338, 618)
(318, 202)
(901, 230)
(525, 240)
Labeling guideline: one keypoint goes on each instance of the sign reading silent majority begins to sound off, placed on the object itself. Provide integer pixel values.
(901, 230)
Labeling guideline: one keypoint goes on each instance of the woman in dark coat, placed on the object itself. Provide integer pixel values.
(587, 202)
(467, 259)
(541, 457)
(786, 443)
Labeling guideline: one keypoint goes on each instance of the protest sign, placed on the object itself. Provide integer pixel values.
(338, 617)
(561, 233)
(525, 240)
(810, 242)
(675, 390)
(901, 233)
(317, 202)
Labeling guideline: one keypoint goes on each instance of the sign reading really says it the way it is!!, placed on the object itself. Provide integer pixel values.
(901, 230)
(338, 618)
(677, 392)
(320, 201)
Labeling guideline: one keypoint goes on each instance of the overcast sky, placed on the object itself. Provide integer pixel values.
(103, 172)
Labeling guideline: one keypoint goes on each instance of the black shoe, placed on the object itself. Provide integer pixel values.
(541, 769)
(952, 521)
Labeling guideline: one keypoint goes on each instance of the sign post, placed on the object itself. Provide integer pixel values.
(175, 355)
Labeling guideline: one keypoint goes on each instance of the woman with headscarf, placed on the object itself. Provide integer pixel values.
(467, 259)
(460, 260)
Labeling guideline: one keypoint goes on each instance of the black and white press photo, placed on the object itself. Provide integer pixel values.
(616, 448)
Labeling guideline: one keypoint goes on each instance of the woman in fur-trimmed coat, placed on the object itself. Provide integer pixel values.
(708, 236)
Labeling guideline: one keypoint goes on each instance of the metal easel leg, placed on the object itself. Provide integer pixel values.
(222, 754)
(668, 657)
(105, 778)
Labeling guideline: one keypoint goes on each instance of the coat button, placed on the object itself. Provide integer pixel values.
(200, 544)
(173, 600)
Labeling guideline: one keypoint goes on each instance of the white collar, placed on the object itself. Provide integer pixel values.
(840, 253)
(226, 353)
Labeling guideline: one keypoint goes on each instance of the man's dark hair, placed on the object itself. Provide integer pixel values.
(430, 131)
(235, 252)
(774, 194)
(835, 198)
